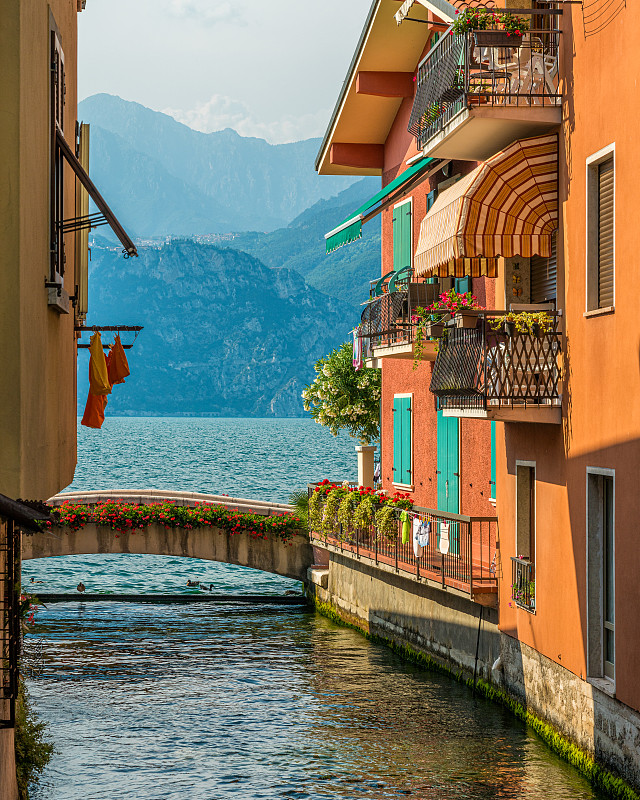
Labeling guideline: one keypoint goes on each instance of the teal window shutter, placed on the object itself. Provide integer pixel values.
(397, 223)
(463, 284)
(402, 440)
(402, 236)
(493, 460)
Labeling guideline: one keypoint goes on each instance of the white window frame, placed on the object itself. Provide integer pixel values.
(591, 229)
(595, 624)
(411, 485)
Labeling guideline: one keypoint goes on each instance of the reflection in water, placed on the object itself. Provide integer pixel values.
(163, 702)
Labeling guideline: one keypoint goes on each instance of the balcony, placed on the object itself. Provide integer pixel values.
(389, 323)
(465, 566)
(523, 586)
(490, 370)
(472, 100)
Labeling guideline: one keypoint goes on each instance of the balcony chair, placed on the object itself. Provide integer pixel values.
(378, 289)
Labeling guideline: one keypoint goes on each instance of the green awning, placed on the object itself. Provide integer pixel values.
(351, 228)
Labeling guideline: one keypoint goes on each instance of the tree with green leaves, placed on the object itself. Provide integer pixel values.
(343, 398)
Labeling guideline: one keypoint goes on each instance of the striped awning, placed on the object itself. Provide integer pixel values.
(507, 206)
(351, 228)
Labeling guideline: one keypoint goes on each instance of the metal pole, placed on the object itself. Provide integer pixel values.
(475, 666)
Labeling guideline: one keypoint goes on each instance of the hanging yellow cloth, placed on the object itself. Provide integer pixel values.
(117, 364)
(99, 385)
(98, 372)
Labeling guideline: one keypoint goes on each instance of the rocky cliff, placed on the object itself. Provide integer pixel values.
(224, 334)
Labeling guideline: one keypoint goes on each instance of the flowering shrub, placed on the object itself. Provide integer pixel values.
(341, 398)
(125, 517)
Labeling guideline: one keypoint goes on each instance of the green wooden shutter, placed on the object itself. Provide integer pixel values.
(448, 464)
(397, 439)
(397, 238)
(402, 236)
(402, 440)
(463, 285)
(493, 460)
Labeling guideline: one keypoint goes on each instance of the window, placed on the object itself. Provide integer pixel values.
(601, 230)
(402, 467)
(543, 275)
(601, 573)
(57, 101)
(463, 285)
(402, 235)
(523, 587)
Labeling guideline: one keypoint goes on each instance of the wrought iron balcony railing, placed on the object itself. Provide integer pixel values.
(483, 367)
(523, 586)
(460, 72)
(391, 318)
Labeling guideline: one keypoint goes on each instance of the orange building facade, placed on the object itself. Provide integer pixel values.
(513, 165)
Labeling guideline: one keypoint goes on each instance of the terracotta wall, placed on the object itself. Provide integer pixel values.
(37, 345)
(601, 411)
(398, 376)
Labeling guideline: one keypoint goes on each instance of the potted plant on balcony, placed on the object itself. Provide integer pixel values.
(431, 321)
(491, 28)
(530, 323)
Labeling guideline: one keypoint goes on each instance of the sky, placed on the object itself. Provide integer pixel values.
(267, 68)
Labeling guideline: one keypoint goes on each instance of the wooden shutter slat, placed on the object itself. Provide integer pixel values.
(605, 233)
(544, 276)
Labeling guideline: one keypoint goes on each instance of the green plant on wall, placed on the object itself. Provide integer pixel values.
(363, 516)
(329, 517)
(386, 521)
(346, 511)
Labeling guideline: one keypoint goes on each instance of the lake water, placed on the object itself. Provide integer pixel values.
(213, 701)
(265, 459)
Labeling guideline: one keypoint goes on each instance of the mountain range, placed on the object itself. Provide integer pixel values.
(224, 335)
(161, 177)
(234, 318)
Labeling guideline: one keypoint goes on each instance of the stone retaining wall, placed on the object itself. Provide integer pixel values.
(445, 627)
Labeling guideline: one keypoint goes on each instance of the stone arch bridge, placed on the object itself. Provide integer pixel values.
(291, 559)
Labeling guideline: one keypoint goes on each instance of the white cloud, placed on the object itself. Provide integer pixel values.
(206, 12)
(224, 112)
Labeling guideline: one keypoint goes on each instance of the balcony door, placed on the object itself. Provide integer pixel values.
(448, 464)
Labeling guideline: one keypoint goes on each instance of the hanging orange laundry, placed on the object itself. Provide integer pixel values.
(117, 364)
(93, 416)
(99, 386)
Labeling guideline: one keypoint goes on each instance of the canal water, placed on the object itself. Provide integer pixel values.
(212, 700)
(220, 701)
